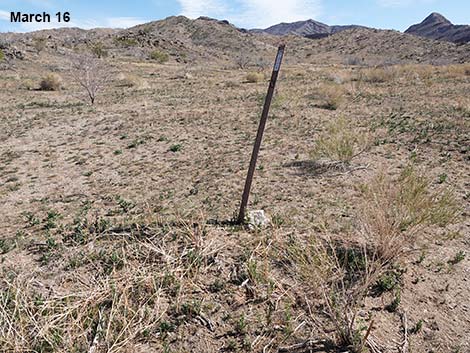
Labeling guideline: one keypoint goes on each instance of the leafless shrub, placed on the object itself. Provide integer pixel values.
(90, 73)
(353, 61)
(242, 61)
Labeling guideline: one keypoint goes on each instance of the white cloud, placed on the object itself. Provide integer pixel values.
(123, 22)
(196, 8)
(402, 3)
(4, 16)
(110, 22)
(252, 13)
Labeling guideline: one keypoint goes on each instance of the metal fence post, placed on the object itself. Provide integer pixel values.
(259, 135)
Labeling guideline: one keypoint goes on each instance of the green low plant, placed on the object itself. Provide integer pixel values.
(159, 56)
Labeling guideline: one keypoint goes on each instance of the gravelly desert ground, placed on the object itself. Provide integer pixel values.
(135, 193)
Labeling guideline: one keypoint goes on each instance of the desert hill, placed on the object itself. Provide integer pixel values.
(309, 28)
(206, 40)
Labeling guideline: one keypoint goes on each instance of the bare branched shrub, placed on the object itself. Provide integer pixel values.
(242, 61)
(340, 142)
(51, 82)
(91, 74)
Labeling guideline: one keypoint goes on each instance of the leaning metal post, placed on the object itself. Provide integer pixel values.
(259, 135)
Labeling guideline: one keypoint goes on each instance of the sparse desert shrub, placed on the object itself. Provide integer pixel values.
(339, 77)
(254, 77)
(353, 61)
(51, 82)
(90, 73)
(28, 84)
(39, 44)
(455, 71)
(2, 55)
(338, 274)
(99, 50)
(125, 42)
(378, 75)
(331, 96)
(340, 142)
(159, 56)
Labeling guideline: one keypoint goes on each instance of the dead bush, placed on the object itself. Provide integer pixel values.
(90, 73)
(51, 82)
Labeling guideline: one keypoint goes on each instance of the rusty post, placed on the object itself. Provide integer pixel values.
(259, 135)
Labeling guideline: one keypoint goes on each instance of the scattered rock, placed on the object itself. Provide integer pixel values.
(258, 219)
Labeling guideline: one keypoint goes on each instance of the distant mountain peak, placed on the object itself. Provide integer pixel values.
(436, 26)
(307, 28)
(436, 17)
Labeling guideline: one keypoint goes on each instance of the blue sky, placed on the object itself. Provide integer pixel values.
(389, 14)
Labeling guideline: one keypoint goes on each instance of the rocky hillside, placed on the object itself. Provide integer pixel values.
(436, 26)
(219, 43)
(308, 28)
(378, 47)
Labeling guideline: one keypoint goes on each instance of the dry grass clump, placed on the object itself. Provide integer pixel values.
(132, 291)
(340, 142)
(331, 96)
(131, 81)
(416, 71)
(340, 77)
(107, 314)
(51, 82)
(2, 55)
(378, 75)
(254, 77)
(338, 274)
(455, 71)
(337, 277)
(395, 210)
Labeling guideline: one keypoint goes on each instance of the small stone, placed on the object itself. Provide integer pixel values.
(258, 219)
